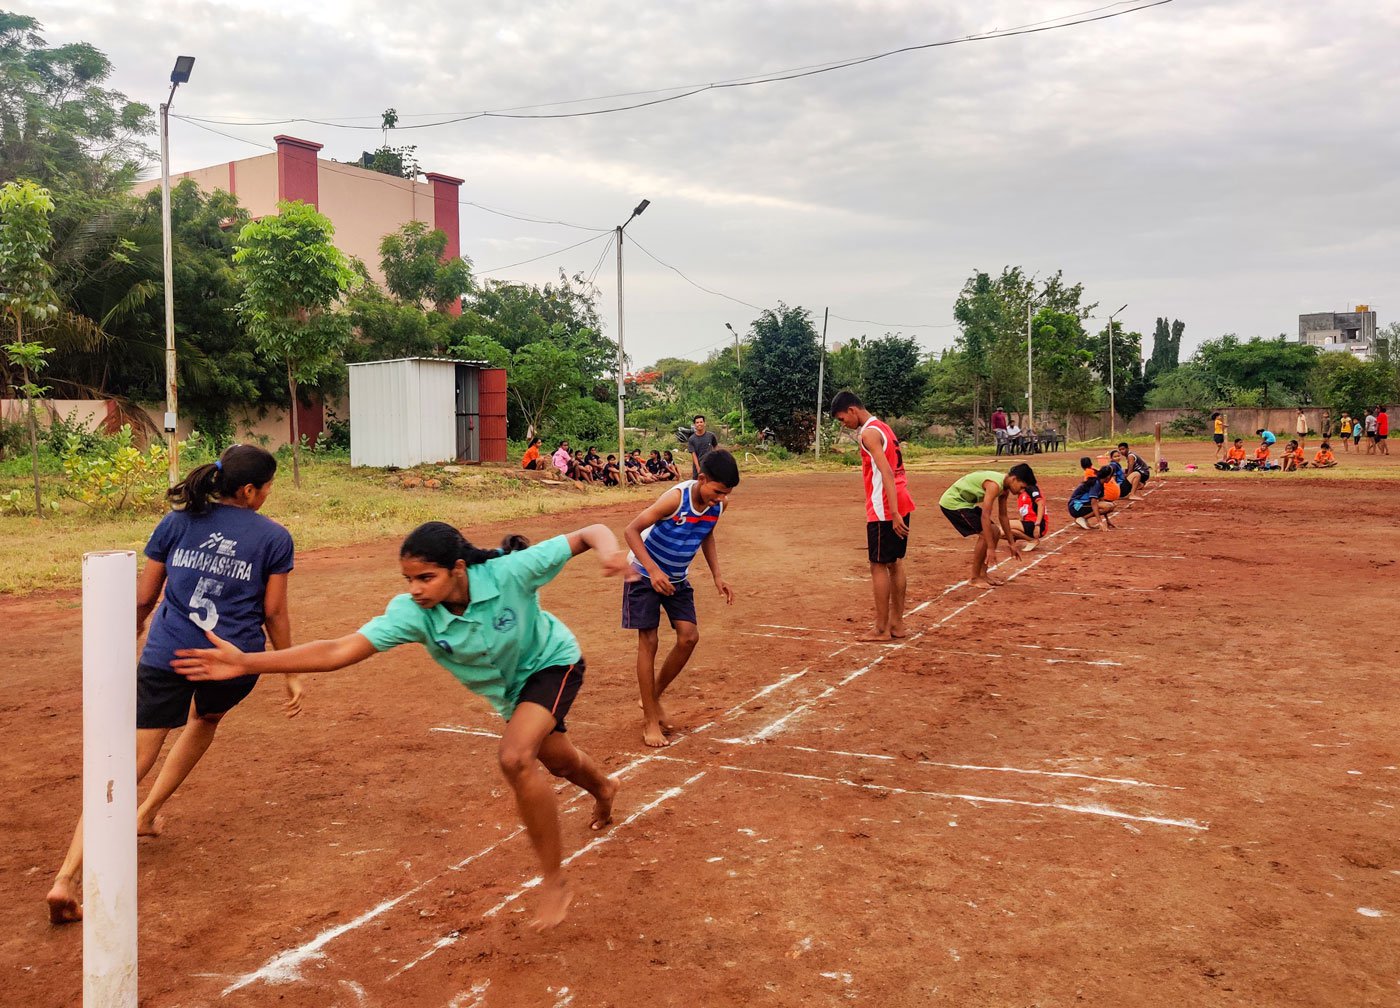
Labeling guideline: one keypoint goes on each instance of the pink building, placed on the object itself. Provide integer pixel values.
(363, 205)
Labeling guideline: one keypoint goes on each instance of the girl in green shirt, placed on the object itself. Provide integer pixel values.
(478, 614)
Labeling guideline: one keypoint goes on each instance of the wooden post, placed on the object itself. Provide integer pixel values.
(1157, 447)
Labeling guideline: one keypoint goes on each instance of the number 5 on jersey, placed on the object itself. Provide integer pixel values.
(201, 600)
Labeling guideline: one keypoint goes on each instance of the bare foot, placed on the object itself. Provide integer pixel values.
(983, 582)
(898, 633)
(65, 907)
(653, 736)
(150, 827)
(875, 637)
(602, 804)
(555, 898)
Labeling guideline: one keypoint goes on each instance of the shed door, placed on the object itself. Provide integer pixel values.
(468, 415)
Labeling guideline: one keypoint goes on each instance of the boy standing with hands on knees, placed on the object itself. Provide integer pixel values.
(664, 540)
(888, 508)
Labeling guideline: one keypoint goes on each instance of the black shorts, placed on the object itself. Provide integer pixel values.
(1081, 509)
(1219, 438)
(968, 521)
(1377, 438)
(642, 604)
(1125, 489)
(163, 696)
(881, 543)
(1029, 528)
(554, 689)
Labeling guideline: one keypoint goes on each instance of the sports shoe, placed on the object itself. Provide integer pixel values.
(1028, 547)
(1082, 522)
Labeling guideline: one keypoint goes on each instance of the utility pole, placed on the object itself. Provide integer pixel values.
(178, 76)
(622, 355)
(821, 377)
(1030, 376)
(1112, 398)
(739, 364)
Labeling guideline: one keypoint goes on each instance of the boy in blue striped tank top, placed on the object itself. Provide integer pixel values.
(664, 540)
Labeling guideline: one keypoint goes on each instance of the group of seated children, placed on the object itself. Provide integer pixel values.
(1108, 488)
(1291, 460)
(590, 467)
(657, 468)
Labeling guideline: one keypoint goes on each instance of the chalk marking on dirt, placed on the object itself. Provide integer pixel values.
(477, 995)
(1149, 556)
(780, 626)
(1128, 781)
(284, 967)
(464, 730)
(452, 937)
(1092, 810)
(814, 640)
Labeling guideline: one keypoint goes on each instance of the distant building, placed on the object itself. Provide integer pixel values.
(363, 205)
(1351, 332)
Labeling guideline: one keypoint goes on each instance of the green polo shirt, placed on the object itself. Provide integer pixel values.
(969, 492)
(502, 638)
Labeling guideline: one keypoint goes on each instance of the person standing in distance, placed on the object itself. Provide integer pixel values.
(888, 508)
(701, 443)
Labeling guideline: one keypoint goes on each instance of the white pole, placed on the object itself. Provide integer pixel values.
(172, 393)
(621, 374)
(109, 779)
(1030, 379)
(821, 376)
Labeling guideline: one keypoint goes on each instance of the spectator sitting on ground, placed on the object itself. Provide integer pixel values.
(1292, 455)
(1324, 459)
(610, 471)
(531, 458)
(656, 467)
(580, 470)
(1234, 458)
(562, 458)
(675, 474)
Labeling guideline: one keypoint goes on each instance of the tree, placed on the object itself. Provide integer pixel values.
(293, 279)
(1166, 349)
(58, 125)
(1189, 386)
(894, 380)
(25, 292)
(1060, 364)
(1278, 370)
(1129, 385)
(399, 161)
(415, 271)
(1342, 382)
(543, 375)
(780, 374)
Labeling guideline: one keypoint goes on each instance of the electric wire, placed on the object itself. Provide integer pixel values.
(684, 91)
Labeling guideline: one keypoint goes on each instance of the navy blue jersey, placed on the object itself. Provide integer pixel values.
(216, 569)
(1087, 491)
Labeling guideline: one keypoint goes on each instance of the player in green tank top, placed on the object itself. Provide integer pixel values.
(968, 504)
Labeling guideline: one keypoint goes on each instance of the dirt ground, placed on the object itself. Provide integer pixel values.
(1159, 767)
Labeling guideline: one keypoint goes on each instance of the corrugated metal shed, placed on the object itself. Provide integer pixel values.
(420, 409)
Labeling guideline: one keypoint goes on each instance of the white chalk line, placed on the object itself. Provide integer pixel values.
(1048, 661)
(1127, 781)
(1092, 810)
(813, 640)
(281, 968)
(780, 626)
(452, 937)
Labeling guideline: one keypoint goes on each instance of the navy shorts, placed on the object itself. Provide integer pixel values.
(1081, 509)
(163, 696)
(968, 521)
(554, 689)
(1219, 438)
(642, 604)
(881, 543)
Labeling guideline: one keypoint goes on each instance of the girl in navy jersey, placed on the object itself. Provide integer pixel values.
(212, 563)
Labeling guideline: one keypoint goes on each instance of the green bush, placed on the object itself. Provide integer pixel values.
(114, 474)
(1191, 424)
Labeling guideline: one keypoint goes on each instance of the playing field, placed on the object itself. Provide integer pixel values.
(1160, 767)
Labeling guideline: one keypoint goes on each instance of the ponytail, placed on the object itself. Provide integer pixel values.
(237, 467)
(441, 545)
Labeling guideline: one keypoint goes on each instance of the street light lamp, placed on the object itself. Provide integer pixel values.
(739, 364)
(621, 354)
(1112, 400)
(179, 75)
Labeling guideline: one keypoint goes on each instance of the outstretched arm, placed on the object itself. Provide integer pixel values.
(224, 661)
(600, 538)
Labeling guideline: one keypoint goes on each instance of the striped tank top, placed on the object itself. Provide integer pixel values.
(673, 541)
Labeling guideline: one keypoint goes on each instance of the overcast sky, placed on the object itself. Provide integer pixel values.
(1228, 163)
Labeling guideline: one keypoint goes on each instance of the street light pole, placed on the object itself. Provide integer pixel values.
(178, 76)
(622, 355)
(1030, 375)
(739, 364)
(1112, 399)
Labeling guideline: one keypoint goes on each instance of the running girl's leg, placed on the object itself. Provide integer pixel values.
(64, 899)
(519, 753)
(564, 759)
(192, 743)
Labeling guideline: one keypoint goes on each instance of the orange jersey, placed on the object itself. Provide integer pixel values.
(1091, 473)
(1324, 458)
(1297, 454)
(1111, 490)
(1262, 454)
(1235, 455)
